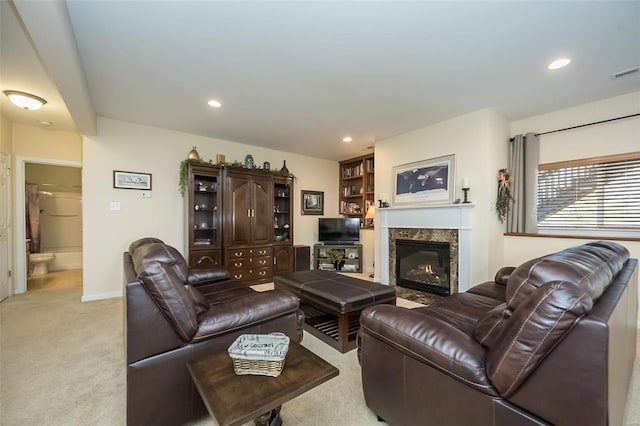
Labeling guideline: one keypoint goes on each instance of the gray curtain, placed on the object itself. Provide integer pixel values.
(523, 166)
(32, 201)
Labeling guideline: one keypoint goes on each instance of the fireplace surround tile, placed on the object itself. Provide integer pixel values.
(424, 234)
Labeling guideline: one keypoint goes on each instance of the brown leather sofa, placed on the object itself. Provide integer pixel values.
(552, 341)
(173, 315)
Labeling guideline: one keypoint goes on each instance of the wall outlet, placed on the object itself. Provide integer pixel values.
(115, 205)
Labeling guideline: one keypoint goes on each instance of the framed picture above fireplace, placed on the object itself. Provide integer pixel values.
(425, 182)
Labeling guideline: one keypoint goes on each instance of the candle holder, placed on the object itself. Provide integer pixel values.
(465, 190)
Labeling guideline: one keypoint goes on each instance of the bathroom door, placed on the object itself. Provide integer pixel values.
(5, 227)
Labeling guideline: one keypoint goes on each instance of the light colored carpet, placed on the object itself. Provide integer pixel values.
(62, 363)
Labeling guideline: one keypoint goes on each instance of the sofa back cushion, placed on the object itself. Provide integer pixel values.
(163, 272)
(590, 266)
(532, 331)
(169, 293)
(161, 253)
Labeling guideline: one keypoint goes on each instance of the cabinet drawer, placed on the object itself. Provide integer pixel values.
(252, 274)
(237, 264)
(204, 258)
(242, 253)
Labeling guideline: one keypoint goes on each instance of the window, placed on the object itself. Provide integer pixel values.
(593, 193)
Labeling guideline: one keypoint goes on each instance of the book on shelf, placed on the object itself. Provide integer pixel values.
(353, 171)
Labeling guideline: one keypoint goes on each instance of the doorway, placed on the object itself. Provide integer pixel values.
(22, 266)
(5, 228)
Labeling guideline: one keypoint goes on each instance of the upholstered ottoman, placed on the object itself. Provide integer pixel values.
(332, 303)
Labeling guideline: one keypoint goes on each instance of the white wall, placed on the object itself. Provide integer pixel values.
(131, 147)
(479, 141)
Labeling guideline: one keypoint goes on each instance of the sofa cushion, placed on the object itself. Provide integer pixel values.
(171, 296)
(463, 310)
(534, 329)
(488, 328)
(589, 266)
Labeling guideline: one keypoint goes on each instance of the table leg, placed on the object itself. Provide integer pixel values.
(343, 331)
(263, 420)
(272, 418)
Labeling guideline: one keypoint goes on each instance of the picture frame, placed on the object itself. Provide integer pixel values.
(312, 202)
(429, 181)
(131, 180)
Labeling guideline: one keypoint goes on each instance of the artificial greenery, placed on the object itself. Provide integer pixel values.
(335, 254)
(184, 173)
(504, 194)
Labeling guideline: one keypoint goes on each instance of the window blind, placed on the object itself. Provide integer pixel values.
(601, 192)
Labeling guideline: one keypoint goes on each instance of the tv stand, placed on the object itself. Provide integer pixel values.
(338, 257)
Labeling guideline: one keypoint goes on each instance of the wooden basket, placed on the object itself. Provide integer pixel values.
(259, 354)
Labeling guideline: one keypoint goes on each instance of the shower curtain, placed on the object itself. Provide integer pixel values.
(32, 199)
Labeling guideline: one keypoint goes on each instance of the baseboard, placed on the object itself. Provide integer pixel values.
(101, 296)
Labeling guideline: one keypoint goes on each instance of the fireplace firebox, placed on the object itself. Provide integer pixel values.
(423, 266)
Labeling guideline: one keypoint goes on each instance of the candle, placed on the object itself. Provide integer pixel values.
(465, 182)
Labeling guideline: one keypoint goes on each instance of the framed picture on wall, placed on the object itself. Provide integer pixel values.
(424, 182)
(312, 202)
(131, 180)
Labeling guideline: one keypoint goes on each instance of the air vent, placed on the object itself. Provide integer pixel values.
(625, 72)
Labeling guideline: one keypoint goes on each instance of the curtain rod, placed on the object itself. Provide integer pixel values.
(585, 125)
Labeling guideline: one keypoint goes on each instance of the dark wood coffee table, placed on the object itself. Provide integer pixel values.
(234, 400)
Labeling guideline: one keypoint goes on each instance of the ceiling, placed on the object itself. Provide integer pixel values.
(298, 76)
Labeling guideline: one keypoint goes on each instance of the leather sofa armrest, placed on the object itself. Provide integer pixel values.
(198, 277)
(503, 275)
(244, 312)
(429, 340)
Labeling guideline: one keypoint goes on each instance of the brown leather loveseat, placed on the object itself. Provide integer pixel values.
(173, 315)
(552, 341)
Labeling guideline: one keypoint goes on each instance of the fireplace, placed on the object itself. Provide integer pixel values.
(423, 266)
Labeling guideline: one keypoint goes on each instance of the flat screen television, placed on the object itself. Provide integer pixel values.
(339, 230)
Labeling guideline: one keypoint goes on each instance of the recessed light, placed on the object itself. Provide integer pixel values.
(347, 139)
(214, 103)
(46, 123)
(25, 100)
(559, 63)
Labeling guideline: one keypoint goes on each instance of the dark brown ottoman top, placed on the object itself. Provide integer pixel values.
(336, 292)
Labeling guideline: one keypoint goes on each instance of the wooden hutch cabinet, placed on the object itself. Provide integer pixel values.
(357, 187)
(240, 219)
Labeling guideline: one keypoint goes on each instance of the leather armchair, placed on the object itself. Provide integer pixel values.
(533, 347)
(174, 315)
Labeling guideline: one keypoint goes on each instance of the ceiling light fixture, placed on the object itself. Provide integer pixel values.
(25, 100)
(214, 104)
(559, 63)
(347, 139)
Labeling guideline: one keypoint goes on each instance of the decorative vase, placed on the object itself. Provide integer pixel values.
(248, 161)
(266, 165)
(193, 154)
(284, 170)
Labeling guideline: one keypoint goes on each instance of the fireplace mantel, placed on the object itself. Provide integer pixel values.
(440, 216)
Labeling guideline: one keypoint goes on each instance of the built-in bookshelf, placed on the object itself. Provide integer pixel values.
(357, 187)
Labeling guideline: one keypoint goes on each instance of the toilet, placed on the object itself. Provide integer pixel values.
(40, 261)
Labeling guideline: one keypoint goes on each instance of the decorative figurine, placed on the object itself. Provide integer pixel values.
(193, 154)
